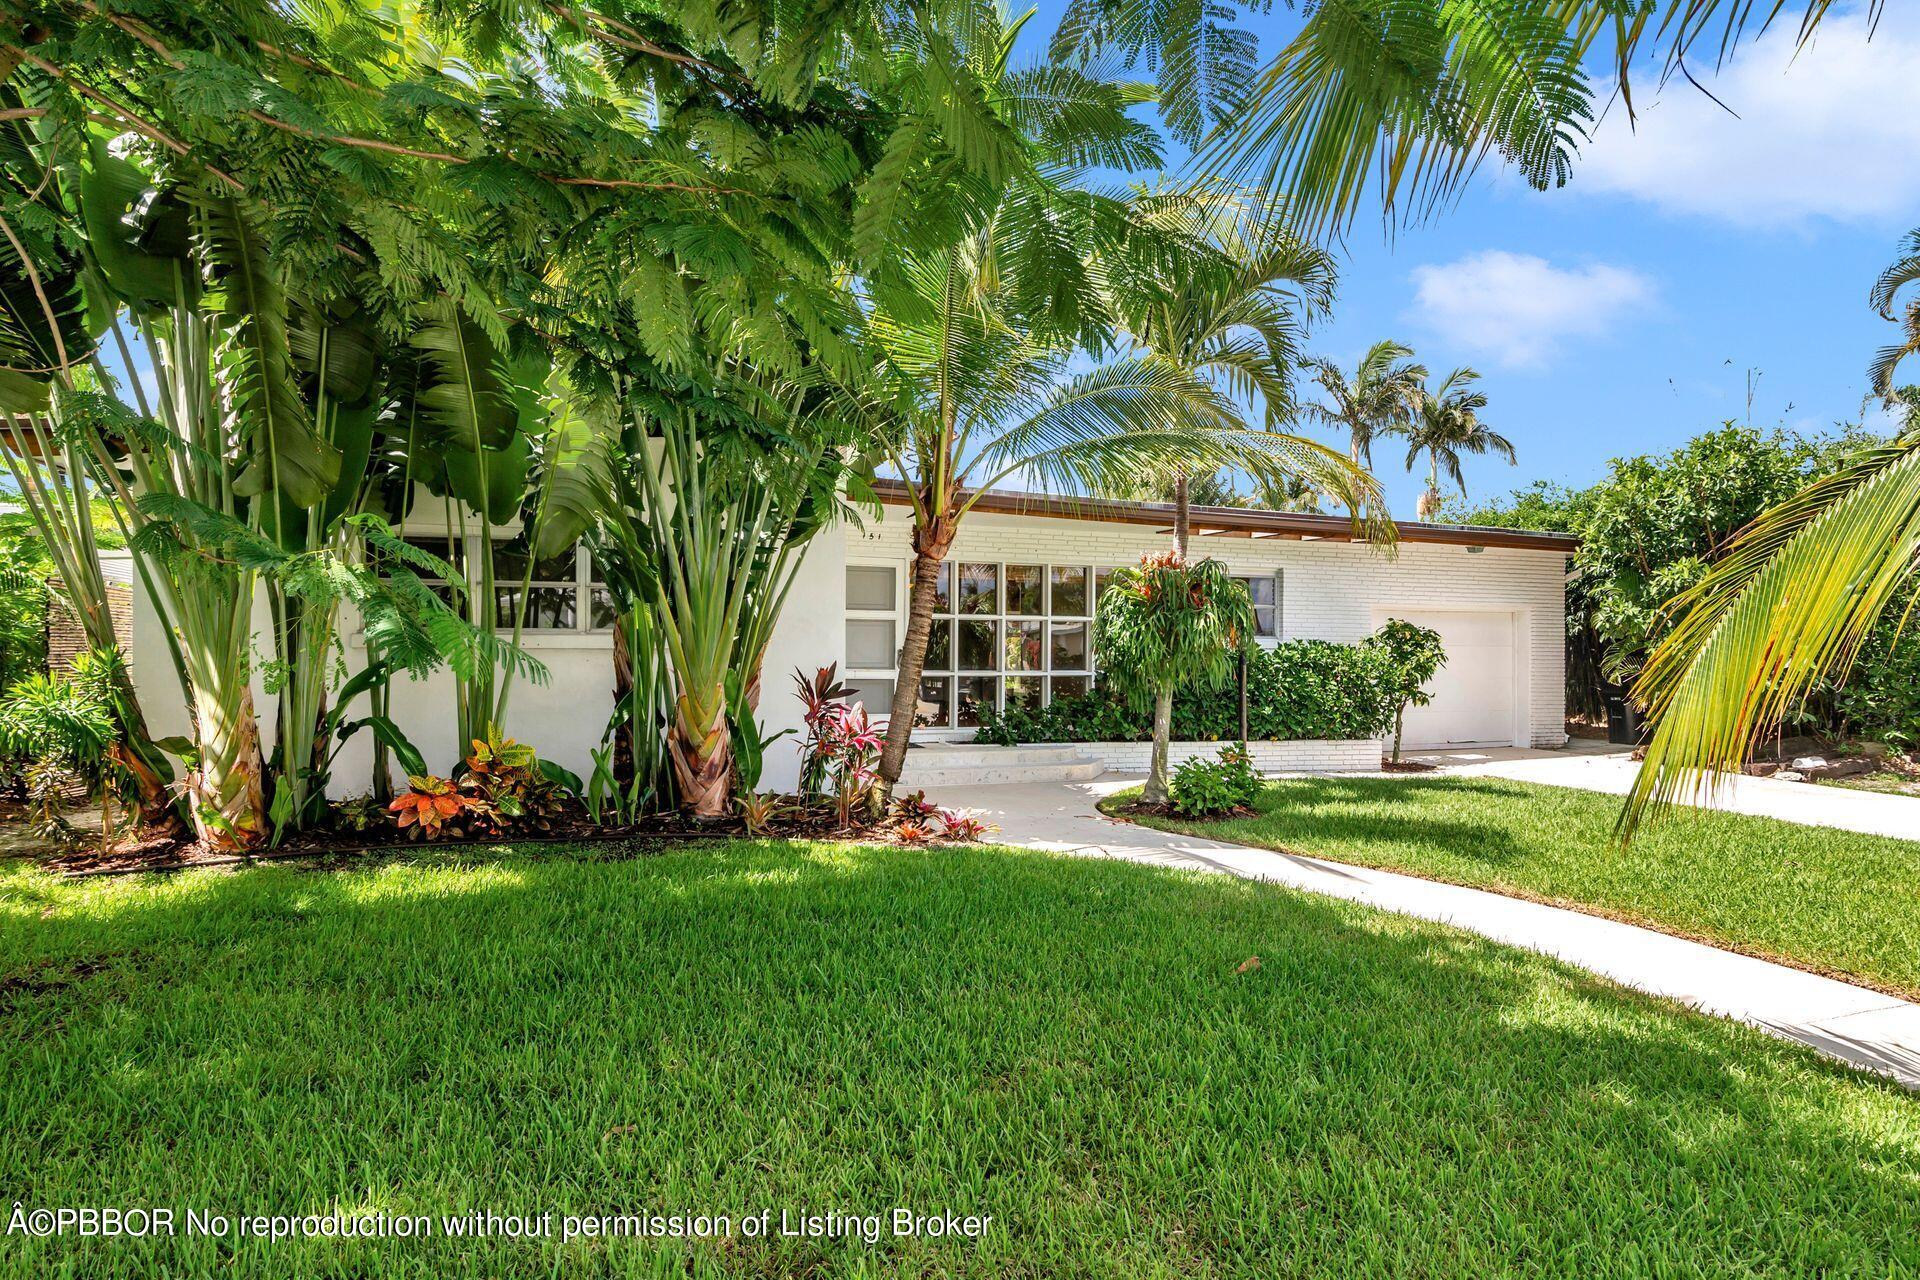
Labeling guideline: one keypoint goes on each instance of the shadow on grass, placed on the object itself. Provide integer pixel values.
(1065, 1043)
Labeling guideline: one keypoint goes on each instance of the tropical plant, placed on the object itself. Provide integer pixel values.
(60, 727)
(1795, 598)
(822, 698)
(430, 805)
(1381, 397)
(1204, 788)
(1402, 102)
(1235, 314)
(1411, 655)
(1164, 624)
(1447, 425)
(759, 810)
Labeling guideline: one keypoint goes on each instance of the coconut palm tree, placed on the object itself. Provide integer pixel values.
(964, 399)
(1381, 397)
(1448, 425)
(1236, 316)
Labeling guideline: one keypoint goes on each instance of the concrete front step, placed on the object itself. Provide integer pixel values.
(967, 765)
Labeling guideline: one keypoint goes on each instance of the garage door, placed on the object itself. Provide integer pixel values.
(1473, 695)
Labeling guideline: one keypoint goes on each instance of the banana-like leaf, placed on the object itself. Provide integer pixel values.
(492, 482)
(135, 232)
(289, 461)
(466, 397)
(43, 323)
(578, 451)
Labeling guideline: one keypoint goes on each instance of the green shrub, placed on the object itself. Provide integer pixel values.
(1202, 788)
(1300, 689)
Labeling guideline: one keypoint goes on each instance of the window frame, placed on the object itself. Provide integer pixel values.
(956, 675)
(1273, 576)
(895, 613)
(583, 587)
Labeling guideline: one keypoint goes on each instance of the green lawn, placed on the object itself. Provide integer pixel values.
(1827, 899)
(1062, 1043)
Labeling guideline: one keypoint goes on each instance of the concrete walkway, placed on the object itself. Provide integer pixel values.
(1594, 766)
(1857, 1026)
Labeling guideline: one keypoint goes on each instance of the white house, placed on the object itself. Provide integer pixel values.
(1023, 578)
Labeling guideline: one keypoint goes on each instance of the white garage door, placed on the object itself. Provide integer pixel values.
(1473, 696)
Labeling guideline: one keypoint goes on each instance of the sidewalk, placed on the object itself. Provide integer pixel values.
(1597, 767)
(1864, 1028)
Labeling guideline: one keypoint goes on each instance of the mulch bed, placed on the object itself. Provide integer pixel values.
(166, 851)
(1405, 766)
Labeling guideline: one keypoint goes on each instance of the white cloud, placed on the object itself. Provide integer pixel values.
(1518, 309)
(1829, 133)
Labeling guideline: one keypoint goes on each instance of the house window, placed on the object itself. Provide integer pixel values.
(562, 593)
(1264, 590)
(873, 634)
(1005, 634)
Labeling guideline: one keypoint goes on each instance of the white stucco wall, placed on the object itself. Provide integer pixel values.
(1331, 592)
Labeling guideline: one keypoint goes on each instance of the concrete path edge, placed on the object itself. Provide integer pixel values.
(1854, 1025)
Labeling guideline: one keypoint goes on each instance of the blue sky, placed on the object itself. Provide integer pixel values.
(1623, 313)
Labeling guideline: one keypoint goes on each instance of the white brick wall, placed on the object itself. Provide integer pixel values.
(1332, 589)
(1314, 755)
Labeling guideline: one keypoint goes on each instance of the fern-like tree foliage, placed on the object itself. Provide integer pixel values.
(1400, 103)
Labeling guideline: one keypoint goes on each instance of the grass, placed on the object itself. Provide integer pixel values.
(1830, 900)
(1062, 1043)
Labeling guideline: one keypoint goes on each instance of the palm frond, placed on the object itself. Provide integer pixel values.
(1788, 606)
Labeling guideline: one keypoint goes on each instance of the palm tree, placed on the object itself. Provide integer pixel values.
(1449, 425)
(1235, 317)
(1381, 397)
(964, 399)
(1402, 99)
(1793, 598)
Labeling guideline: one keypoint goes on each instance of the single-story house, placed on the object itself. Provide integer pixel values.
(1023, 579)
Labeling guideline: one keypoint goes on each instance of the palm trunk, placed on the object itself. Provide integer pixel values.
(701, 751)
(1182, 516)
(228, 797)
(930, 552)
(1155, 791)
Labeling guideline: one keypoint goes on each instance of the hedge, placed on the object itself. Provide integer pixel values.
(1300, 689)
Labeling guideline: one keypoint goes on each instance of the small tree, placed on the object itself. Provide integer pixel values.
(1412, 656)
(1165, 624)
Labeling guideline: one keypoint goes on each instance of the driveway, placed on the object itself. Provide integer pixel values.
(1593, 766)
(1852, 1024)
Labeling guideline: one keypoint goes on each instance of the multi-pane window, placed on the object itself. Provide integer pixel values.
(1005, 635)
(561, 591)
(1264, 590)
(873, 633)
